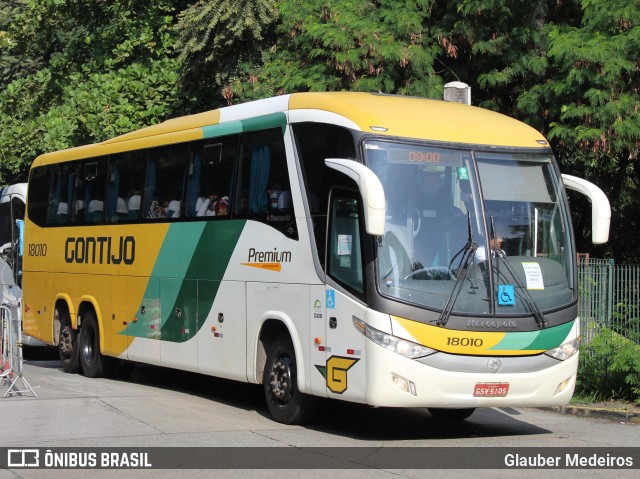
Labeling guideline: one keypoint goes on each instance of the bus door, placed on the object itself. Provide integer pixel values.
(344, 351)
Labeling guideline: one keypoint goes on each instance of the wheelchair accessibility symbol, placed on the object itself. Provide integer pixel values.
(506, 295)
(331, 299)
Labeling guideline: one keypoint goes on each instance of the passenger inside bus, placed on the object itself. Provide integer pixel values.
(173, 209)
(205, 206)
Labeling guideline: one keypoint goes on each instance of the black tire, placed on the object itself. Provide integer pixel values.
(285, 401)
(445, 414)
(68, 344)
(94, 364)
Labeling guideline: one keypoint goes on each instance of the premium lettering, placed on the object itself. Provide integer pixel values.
(274, 256)
(100, 250)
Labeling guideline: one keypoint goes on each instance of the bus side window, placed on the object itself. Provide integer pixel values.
(88, 203)
(345, 251)
(166, 170)
(315, 142)
(39, 183)
(263, 192)
(126, 181)
(210, 176)
(61, 193)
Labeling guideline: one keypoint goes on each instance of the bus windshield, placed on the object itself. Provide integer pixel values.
(476, 232)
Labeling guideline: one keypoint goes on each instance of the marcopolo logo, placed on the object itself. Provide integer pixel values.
(271, 260)
(100, 250)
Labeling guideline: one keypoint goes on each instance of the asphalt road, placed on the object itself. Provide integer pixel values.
(157, 407)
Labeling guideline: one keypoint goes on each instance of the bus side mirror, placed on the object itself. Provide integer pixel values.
(370, 189)
(20, 224)
(600, 209)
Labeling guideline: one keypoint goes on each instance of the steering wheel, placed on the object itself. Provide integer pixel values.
(417, 224)
(432, 272)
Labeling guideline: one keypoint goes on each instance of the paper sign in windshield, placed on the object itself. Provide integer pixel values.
(344, 245)
(533, 273)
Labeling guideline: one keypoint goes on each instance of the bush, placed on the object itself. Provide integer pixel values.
(610, 368)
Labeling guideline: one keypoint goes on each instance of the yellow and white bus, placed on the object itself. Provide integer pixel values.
(378, 249)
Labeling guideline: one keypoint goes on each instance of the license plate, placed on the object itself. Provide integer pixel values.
(491, 390)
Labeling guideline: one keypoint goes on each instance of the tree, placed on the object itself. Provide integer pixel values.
(380, 46)
(88, 70)
(592, 99)
(219, 40)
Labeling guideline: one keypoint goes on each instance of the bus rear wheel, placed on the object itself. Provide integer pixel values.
(445, 414)
(68, 344)
(94, 364)
(285, 401)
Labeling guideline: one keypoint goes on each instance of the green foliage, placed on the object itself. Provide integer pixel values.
(381, 46)
(590, 99)
(610, 368)
(80, 71)
(219, 40)
(568, 68)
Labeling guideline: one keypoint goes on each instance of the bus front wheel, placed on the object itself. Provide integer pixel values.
(285, 401)
(68, 345)
(94, 364)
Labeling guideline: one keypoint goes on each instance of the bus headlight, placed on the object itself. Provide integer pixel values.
(401, 346)
(565, 351)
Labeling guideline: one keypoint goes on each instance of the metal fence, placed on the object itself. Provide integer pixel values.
(609, 296)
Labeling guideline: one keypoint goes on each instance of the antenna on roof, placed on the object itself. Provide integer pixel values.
(458, 92)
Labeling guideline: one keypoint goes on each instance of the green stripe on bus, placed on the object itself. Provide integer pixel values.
(550, 338)
(178, 298)
(222, 129)
(542, 340)
(266, 121)
(204, 275)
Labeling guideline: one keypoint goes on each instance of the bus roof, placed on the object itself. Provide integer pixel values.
(19, 189)
(391, 115)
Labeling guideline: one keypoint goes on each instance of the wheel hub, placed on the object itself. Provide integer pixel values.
(66, 345)
(280, 380)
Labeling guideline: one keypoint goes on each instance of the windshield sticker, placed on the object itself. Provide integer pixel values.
(344, 245)
(533, 273)
(506, 295)
(463, 173)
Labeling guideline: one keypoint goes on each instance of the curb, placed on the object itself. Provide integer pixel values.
(632, 417)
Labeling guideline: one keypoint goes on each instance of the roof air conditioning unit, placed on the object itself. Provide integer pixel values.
(458, 92)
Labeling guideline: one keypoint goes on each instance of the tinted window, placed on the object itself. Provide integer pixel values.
(126, 183)
(264, 191)
(88, 206)
(211, 177)
(166, 169)
(39, 181)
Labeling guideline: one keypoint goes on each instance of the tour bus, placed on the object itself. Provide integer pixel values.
(12, 209)
(378, 249)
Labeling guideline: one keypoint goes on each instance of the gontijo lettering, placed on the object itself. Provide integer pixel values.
(100, 250)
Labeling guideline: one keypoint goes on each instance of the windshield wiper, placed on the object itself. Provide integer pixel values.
(468, 252)
(533, 306)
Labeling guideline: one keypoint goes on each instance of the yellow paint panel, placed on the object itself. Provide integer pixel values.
(475, 343)
(106, 148)
(423, 118)
(174, 125)
(90, 280)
